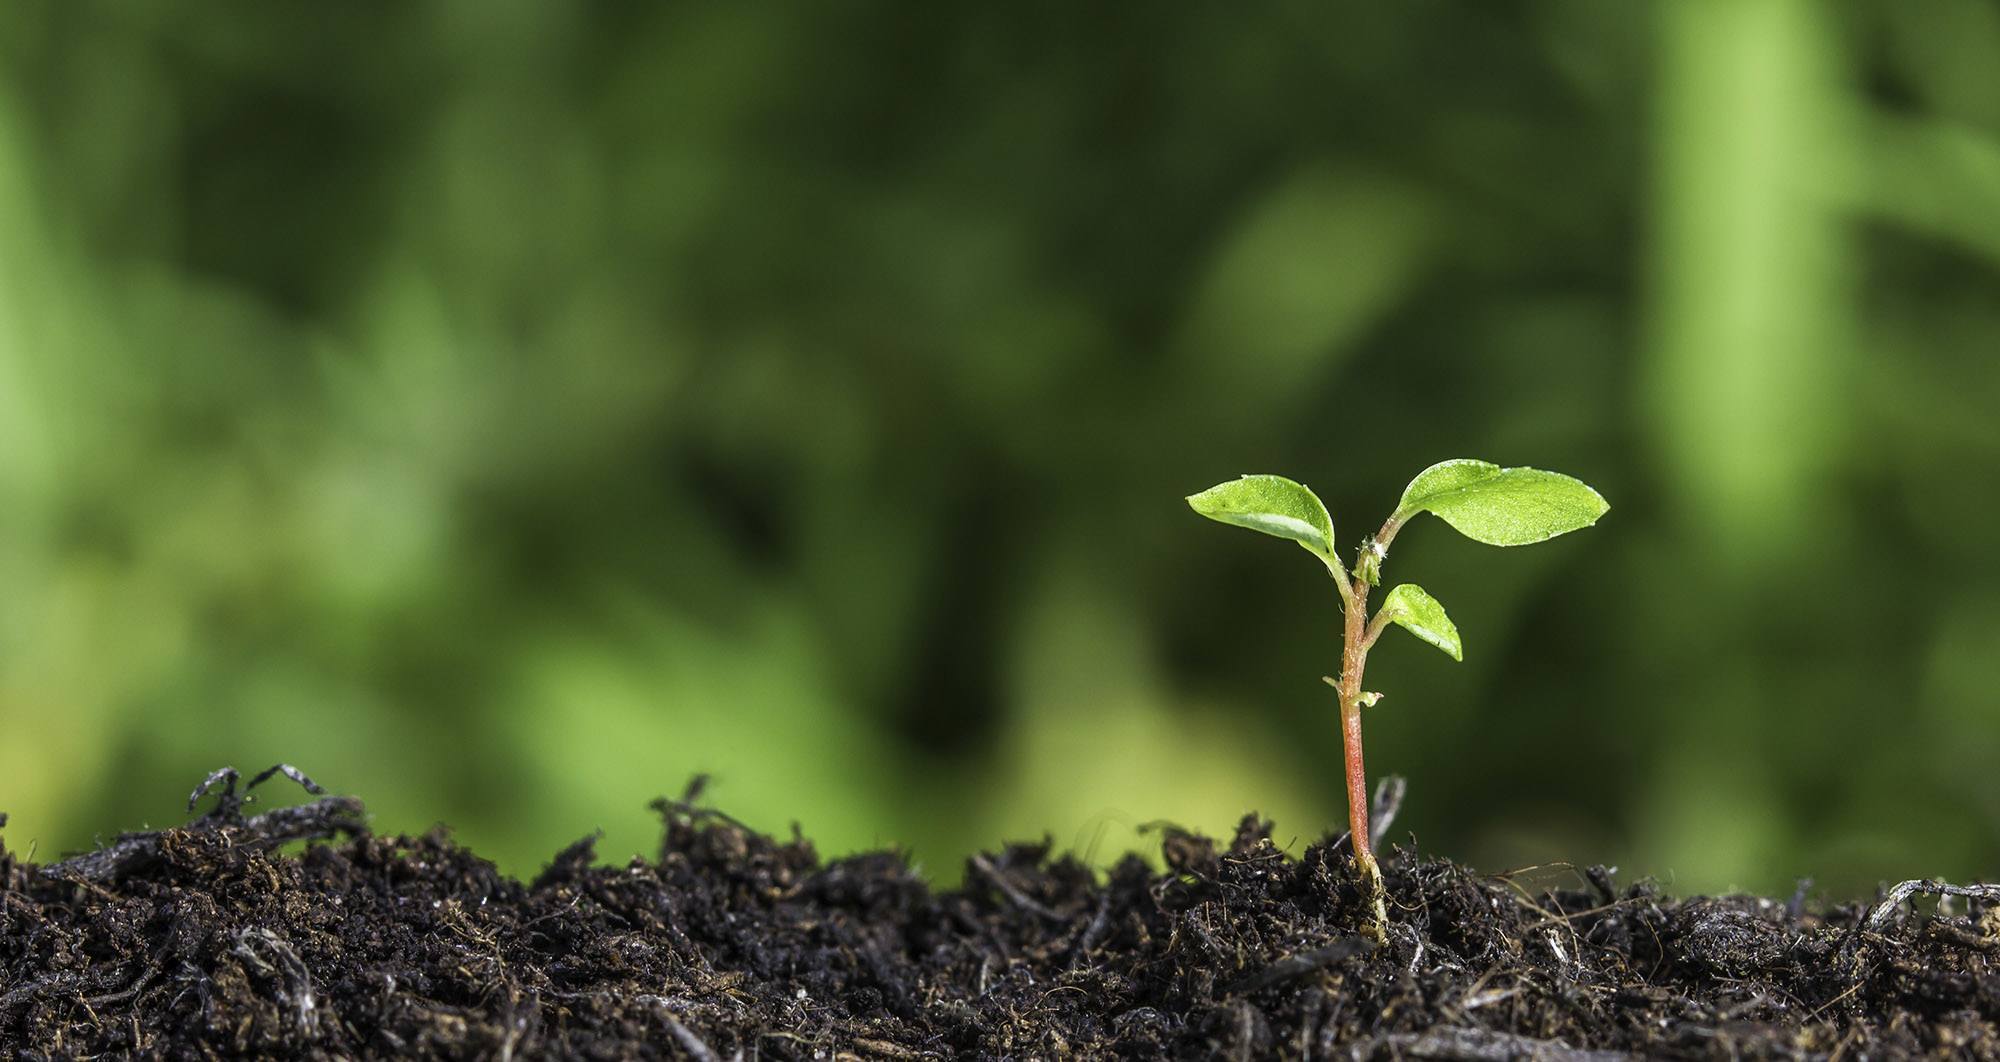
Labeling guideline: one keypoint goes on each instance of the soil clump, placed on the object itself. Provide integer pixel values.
(212, 939)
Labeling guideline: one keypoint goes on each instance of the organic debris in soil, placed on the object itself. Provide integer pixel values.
(205, 941)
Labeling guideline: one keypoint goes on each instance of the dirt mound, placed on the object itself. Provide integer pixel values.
(206, 940)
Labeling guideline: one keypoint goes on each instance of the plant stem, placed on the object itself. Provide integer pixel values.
(1339, 574)
(1376, 626)
(1354, 657)
(1350, 727)
(1357, 792)
(1389, 528)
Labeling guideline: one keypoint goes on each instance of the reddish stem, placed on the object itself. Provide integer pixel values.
(1354, 656)
(1357, 785)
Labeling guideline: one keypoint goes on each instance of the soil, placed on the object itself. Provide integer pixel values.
(216, 940)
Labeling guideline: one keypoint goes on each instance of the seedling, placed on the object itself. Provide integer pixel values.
(1482, 501)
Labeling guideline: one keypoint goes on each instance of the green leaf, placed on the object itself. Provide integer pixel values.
(1502, 506)
(1271, 504)
(1410, 608)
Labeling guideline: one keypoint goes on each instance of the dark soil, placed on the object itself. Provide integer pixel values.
(208, 941)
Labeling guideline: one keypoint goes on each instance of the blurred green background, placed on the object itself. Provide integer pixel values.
(505, 410)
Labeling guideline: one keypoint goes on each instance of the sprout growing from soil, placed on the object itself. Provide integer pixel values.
(1482, 501)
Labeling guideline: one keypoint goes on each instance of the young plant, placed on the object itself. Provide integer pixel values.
(1482, 501)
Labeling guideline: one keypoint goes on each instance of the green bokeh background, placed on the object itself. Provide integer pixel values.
(505, 410)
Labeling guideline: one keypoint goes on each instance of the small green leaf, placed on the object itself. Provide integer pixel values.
(1410, 608)
(1271, 504)
(1370, 568)
(1502, 506)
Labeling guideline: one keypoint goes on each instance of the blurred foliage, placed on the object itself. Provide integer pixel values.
(505, 410)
